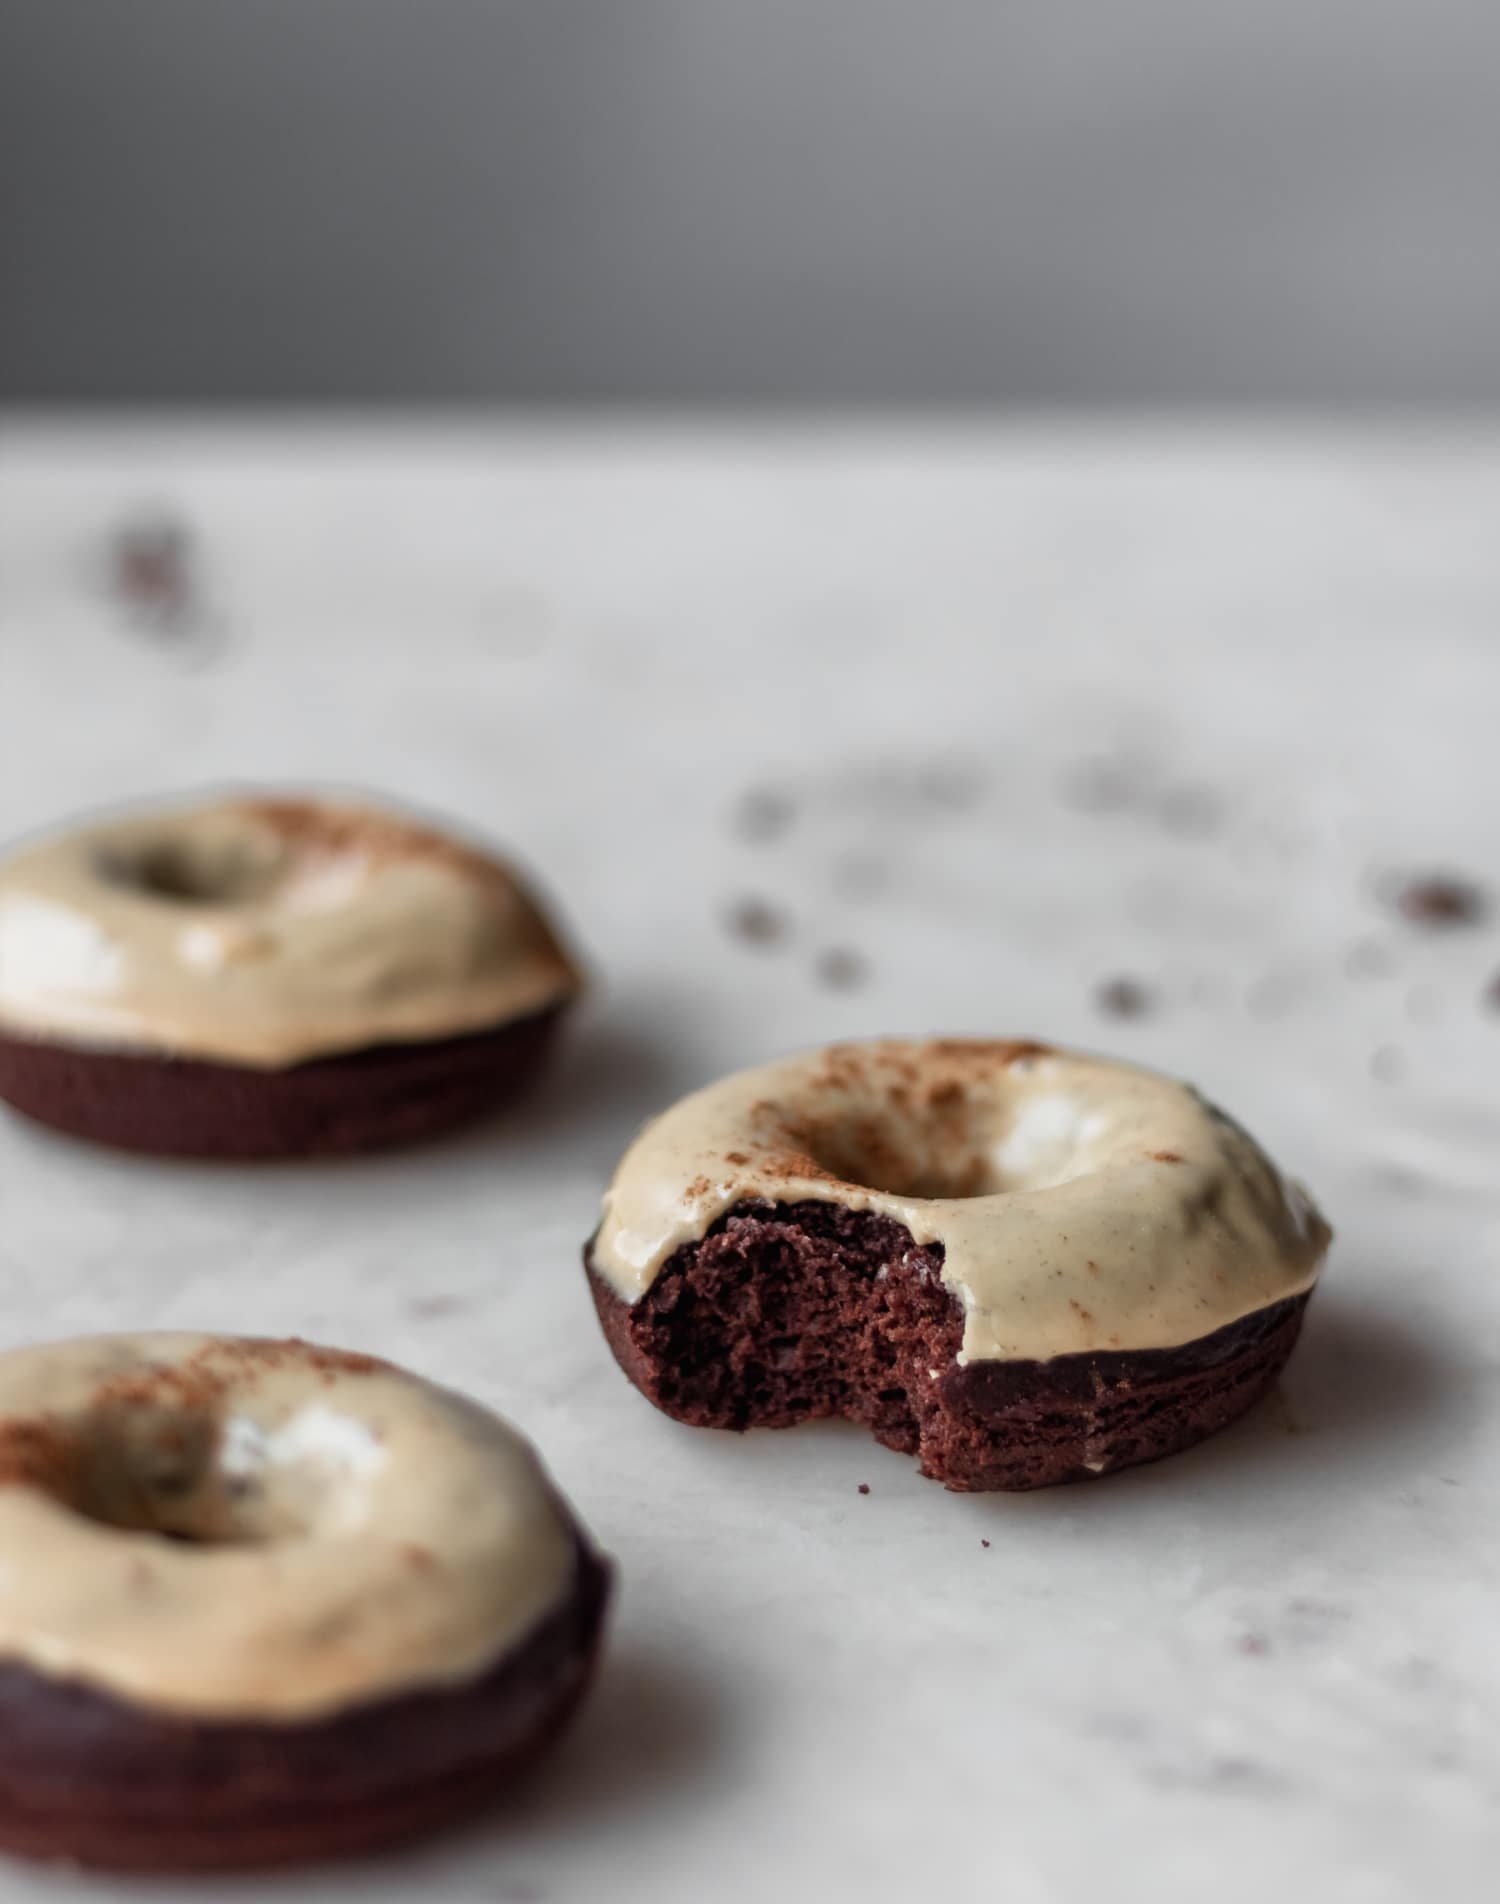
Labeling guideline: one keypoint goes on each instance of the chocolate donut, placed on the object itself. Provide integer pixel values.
(269, 978)
(1022, 1265)
(263, 1601)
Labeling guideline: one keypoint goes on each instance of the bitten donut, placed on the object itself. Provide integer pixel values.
(1021, 1265)
(268, 978)
(262, 1601)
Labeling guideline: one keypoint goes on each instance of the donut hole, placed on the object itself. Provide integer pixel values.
(214, 1475)
(192, 872)
(151, 1471)
(878, 1154)
(971, 1148)
(237, 868)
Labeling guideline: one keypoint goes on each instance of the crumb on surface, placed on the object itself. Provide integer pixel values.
(951, 783)
(1440, 899)
(1123, 998)
(1099, 786)
(757, 922)
(1386, 1064)
(841, 969)
(763, 813)
(1192, 811)
(864, 1487)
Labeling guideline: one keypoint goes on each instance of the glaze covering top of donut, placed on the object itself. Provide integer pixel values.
(264, 932)
(1081, 1204)
(231, 1527)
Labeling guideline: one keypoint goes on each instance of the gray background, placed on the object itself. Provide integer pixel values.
(1000, 201)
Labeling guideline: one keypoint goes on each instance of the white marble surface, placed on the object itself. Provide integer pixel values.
(1268, 1668)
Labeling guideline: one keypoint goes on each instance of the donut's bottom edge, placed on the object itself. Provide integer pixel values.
(374, 1099)
(93, 1780)
(785, 1314)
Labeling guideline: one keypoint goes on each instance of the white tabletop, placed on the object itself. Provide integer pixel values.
(1016, 714)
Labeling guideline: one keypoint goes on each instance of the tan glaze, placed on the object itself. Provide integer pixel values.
(1081, 1204)
(235, 1528)
(266, 932)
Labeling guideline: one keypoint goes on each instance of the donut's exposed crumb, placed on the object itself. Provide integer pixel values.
(1123, 998)
(763, 814)
(840, 969)
(756, 922)
(1438, 900)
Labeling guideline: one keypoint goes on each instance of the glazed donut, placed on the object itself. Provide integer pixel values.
(267, 978)
(263, 1601)
(1022, 1265)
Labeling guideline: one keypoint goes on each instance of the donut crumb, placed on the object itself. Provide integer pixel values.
(840, 969)
(763, 813)
(1438, 899)
(757, 922)
(1123, 998)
